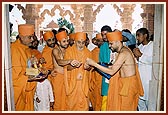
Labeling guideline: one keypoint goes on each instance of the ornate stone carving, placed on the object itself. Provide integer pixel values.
(23, 10)
(70, 14)
(126, 15)
(118, 10)
(29, 13)
(148, 17)
(78, 10)
(95, 12)
(83, 16)
(52, 24)
(88, 19)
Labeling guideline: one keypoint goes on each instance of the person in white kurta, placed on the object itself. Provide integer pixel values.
(43, 96)
(145, 69)
(145, 55)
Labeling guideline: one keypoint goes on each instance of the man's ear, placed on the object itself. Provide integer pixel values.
(145, 35)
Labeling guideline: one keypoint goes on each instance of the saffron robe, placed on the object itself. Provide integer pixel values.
(123, 93)
(95, 84)
(23, 90)
(59, 92)
(30, 85)
(47, 54)
(77, 80)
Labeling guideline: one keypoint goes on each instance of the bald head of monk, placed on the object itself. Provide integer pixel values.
(80, 40)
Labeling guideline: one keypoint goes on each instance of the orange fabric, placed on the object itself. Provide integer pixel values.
(29, 96)
(19, 56)
(113, 103)
(25, 29)
(123, 93)
(95, 84)
(48, 35)
(72, 36)
(127, 96)
(77, 80)
(77, 100)
(80, 36)
(114, 36)
(95, 54)
(31, 86)
(61, 35)
(47, 54)
(98, 36)
(59, 92)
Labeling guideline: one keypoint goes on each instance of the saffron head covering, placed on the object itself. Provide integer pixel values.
(26, 29)
(72, 36)
(114, 36)
(61, 35)
(48, 35)
(98, 36)
(80, 36)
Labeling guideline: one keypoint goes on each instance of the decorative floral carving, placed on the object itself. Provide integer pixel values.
(29, 13)
(70, 14)
(126, 14)
(23, 10)
(95, 12)
(117, 9)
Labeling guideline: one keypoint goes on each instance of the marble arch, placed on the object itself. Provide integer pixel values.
(83, 16)
(30, 16)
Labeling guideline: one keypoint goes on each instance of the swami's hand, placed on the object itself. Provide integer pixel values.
(53, 72)
(90, 62)
(75, 63)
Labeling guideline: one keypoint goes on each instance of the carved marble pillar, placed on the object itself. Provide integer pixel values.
(88, 19)
(148, 17)
(126, 16)
(37, 27)
(78, 21)
(30, 13)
